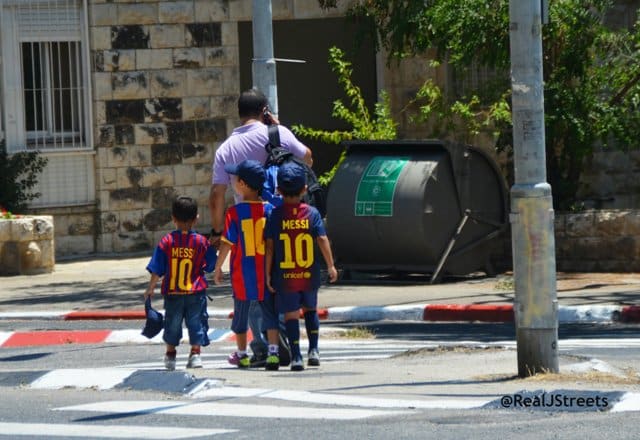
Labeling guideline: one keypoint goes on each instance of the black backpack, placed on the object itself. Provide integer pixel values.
(276, 156)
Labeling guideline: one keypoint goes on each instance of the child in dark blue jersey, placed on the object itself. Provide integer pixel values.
(181, 259)
(243, 238)
(292, 265)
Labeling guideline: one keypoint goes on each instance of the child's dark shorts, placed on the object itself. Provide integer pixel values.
(290, 302)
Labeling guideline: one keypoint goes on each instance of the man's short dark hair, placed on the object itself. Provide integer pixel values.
(251, 103)
(184, 209)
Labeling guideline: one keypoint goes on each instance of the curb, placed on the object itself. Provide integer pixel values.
(415, 312)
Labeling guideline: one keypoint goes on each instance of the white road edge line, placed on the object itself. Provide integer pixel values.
(190, 408)
(107, 431)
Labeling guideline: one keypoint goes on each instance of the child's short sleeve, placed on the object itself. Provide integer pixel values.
(158, 263)
(231, 233)
(317, 225)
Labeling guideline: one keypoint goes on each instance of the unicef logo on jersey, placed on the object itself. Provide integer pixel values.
(296, 275)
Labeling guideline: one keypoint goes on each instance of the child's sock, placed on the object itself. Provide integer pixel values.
(171, 354)
(195, 350)
(312, 324)
(293, 333)
(273, 349)
(241, 353)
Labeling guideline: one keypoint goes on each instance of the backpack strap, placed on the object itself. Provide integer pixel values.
(274, 138)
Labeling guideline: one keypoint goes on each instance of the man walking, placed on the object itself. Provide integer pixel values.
(247, 142)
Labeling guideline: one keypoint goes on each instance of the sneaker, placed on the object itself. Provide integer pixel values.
(233, 358)
(297, 364)
(314, 358)
(244, 362)
(170, 362)
(195, 361)
(257, 361)
(273, 362)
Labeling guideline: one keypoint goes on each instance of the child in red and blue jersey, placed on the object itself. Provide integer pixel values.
(243, 237)
(181, 259)
(293, 268)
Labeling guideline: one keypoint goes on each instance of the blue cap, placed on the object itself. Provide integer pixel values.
(155, 320)
(291, 177)
(250, 171)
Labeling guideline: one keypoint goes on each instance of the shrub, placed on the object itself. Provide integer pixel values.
(18, 176)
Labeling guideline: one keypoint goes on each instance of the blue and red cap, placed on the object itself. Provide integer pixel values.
(291, 177)
(250, 171)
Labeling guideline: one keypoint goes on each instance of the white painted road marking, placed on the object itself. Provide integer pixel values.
(229, 410)
(101, 378)
(336, 399)
(106, 431)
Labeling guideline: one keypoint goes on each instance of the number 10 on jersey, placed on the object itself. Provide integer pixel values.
(297, 252)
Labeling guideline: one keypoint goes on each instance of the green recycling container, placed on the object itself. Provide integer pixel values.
(416, 206)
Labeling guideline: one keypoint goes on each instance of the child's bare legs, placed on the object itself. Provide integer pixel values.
(272, 336)
(170, 357)
(241, 342)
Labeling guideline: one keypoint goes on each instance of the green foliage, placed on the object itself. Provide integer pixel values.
(591, 74)
(460, 120)
(18, 175)
(364, 126)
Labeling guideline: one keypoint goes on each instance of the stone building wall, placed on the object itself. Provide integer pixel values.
(590, 241)
(598, 241)
(165, 79)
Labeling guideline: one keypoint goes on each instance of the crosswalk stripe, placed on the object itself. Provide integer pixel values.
(334, 399)
(231, 410)
(106, 431)
(101, 378)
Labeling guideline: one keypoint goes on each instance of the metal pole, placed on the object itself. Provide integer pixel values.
(533, 243)
(264, 64)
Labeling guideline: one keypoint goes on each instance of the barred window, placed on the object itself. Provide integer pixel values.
(46, 96)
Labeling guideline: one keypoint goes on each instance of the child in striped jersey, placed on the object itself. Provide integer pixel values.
(181, 259)
(243, 237)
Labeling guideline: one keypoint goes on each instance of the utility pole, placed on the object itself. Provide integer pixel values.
(533, 242)
(264, 64)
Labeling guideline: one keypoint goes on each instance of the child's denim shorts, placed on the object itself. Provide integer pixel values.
(192, 309)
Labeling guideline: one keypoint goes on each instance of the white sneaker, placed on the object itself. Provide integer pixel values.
(169, 363)
(297, 364)
(314, 358)
(195, 361)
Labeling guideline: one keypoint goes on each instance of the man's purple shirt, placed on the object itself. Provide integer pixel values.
(247, 142)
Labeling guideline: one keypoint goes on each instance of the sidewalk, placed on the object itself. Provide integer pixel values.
(112, 288)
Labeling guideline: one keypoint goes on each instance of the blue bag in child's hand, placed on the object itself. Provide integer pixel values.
(155, 320)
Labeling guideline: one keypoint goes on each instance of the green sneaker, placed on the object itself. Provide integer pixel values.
(244, 362)
(273, 362)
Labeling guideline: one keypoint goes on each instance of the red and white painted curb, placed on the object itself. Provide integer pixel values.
(62, 337)
(415, 312)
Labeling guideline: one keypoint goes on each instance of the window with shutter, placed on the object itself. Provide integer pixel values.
(46, 99)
